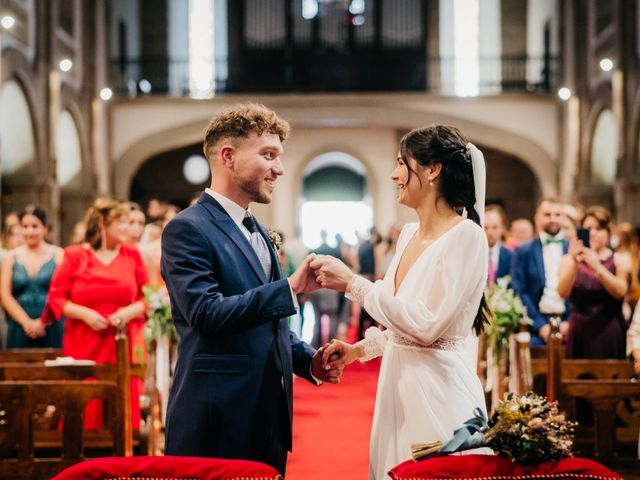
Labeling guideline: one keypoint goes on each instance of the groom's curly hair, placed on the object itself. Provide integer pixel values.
(242, 119)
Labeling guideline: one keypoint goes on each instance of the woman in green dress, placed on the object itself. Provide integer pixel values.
(24, 282)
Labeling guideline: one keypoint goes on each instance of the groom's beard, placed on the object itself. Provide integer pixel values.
(257, 190)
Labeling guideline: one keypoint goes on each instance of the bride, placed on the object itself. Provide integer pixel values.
(430, 301)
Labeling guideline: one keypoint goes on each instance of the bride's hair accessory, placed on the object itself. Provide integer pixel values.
(479, 179)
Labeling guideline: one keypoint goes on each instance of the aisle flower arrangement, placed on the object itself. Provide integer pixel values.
(159, 320)
(509, 317)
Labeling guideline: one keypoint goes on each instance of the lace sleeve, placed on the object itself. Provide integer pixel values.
(373, 343)
(358, 288)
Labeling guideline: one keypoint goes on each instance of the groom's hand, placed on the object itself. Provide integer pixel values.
(320, 372)
(303, 280)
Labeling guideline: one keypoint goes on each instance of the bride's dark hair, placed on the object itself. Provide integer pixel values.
(446, 145)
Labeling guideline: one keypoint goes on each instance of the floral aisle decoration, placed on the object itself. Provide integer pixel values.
(161, 338)
(159, 320)
(527, 429)
(509, 317)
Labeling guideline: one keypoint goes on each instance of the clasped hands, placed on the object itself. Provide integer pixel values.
(320, 271)
(325, 271)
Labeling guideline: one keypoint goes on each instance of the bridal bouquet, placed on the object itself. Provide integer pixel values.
(530, 430)
(526, 429)
(509, 315)
(159, 319)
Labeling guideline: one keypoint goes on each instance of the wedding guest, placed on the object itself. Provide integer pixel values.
(521, 231)
(25, 276)
(495, 226)
(296, 248)
(78, 233)
(326, 304)
(385, 251)
(568, 227)
(627, 248)
(633, 340)
(12, 236)
(595, 280)
(98, 284)
(534, 271)
(152, 252)
(156, 210)
(135, 223)
(367, 260)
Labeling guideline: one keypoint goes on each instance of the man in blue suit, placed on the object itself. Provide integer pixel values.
(495, 225)
(232, 389)
(534, 271)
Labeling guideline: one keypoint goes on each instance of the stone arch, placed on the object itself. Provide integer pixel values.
(131, 161)
(370, 171)
(69, 104)
(18, 131)
(532, 154)
(634, 147)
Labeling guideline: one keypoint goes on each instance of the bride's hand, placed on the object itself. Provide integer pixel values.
(331, 273)
(338, 353)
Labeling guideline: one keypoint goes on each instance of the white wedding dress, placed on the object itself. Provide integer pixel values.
(428, 386)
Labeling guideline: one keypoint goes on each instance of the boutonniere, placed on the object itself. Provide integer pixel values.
(276, 239)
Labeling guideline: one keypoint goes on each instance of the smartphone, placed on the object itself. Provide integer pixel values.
(583, 234)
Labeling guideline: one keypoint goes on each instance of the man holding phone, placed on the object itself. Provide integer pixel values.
(534, 271)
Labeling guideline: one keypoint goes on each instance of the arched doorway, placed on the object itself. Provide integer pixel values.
(334, 199)
(17, 145)
(173, 176)
(604, 149)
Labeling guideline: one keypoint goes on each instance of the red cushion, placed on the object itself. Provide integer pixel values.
(487, 467)
(168, 468)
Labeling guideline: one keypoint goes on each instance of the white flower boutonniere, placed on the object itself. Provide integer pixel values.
(276, 239)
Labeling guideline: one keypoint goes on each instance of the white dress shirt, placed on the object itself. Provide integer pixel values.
(551, 302)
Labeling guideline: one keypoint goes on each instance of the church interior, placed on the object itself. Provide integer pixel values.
(103, 105)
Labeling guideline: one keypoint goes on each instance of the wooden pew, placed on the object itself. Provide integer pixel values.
(116, 437)
(29, 355)
(19, 401)
(609, 388)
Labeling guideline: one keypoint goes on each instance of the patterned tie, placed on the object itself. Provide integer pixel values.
(258, 243)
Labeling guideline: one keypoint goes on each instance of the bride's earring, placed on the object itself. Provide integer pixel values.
(431, 182)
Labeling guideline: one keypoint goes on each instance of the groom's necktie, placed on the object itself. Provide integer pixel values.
(258, 243)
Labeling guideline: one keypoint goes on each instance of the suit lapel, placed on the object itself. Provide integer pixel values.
(224, 222)
(538, 258)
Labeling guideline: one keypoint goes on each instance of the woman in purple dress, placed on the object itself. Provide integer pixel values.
(596, 280)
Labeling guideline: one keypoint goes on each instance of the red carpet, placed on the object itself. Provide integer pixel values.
(331, 426)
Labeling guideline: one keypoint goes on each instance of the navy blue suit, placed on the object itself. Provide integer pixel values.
(528, 280)
(232, 390)
(504, 262)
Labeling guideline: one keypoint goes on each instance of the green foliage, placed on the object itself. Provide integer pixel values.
(508, 315)
(159, 320)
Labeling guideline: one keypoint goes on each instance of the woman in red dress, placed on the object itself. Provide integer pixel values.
(98, 283)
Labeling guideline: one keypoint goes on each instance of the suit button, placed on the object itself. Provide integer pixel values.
(282, 381)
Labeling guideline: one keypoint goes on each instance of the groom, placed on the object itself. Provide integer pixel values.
(232, 389)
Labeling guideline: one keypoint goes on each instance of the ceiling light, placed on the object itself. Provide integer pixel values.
(564, 93)
(65, 64)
